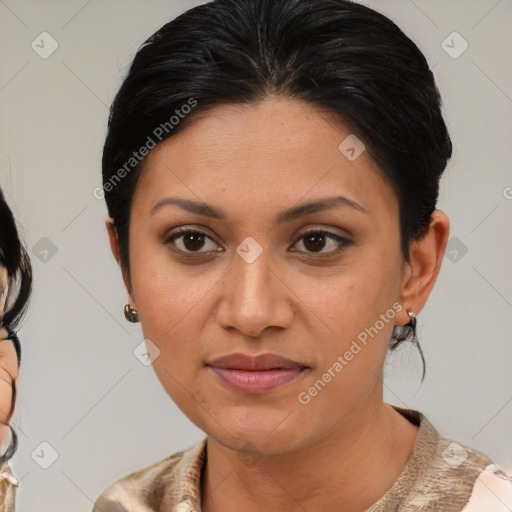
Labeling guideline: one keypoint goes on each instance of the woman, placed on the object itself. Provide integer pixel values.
(271, 173)
(15, 289)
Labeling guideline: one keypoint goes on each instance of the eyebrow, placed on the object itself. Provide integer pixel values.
(288, 215)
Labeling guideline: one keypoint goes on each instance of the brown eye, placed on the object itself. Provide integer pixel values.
(189, 241)
(315, 241)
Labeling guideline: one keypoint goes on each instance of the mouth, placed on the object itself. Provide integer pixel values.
(254, 375)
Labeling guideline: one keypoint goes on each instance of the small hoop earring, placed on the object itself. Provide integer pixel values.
(131, 314)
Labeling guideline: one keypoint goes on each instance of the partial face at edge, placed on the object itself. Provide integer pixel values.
(304, 298)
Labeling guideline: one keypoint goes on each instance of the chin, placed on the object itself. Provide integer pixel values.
(268, 435)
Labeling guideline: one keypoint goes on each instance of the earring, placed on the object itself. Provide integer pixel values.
(131, 314)
(412, 321)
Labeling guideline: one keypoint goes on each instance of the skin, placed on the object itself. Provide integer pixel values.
(269, 451)
(8, 372)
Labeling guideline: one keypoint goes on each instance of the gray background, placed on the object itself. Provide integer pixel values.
(82, 390)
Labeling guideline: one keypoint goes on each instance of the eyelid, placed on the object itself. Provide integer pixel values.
(345, 235)
(187, 229)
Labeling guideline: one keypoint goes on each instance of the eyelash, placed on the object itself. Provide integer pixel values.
(343, 242)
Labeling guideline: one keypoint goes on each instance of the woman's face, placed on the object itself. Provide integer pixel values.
(253, 284)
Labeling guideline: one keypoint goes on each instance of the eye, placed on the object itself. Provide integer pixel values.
(316, 240)
(190, 241)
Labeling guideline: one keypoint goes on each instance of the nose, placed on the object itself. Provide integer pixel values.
(255, 296)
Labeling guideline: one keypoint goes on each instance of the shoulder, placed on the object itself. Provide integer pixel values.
(455, 477)
(149, 489)
(492, 491)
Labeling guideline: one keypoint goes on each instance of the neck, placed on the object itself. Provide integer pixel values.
(365, 454)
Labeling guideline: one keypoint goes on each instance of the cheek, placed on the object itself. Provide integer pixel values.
(357, 311)
(171, 299)
(347, 301)
(5, 394)
(166, 293)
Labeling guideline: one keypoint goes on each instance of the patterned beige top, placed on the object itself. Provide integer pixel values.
(8, 484)
(440, 476)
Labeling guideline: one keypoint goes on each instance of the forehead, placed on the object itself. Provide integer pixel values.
(277, 149)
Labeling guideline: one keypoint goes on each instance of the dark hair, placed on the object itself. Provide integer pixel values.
(14, 257)
(341, 57)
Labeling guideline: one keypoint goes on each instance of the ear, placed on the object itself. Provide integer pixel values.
(420, 275)
(114, 247)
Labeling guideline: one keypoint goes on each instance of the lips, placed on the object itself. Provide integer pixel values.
(254, 375)
(262, 362)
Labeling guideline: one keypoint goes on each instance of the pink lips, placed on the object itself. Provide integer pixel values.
(255, 374)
